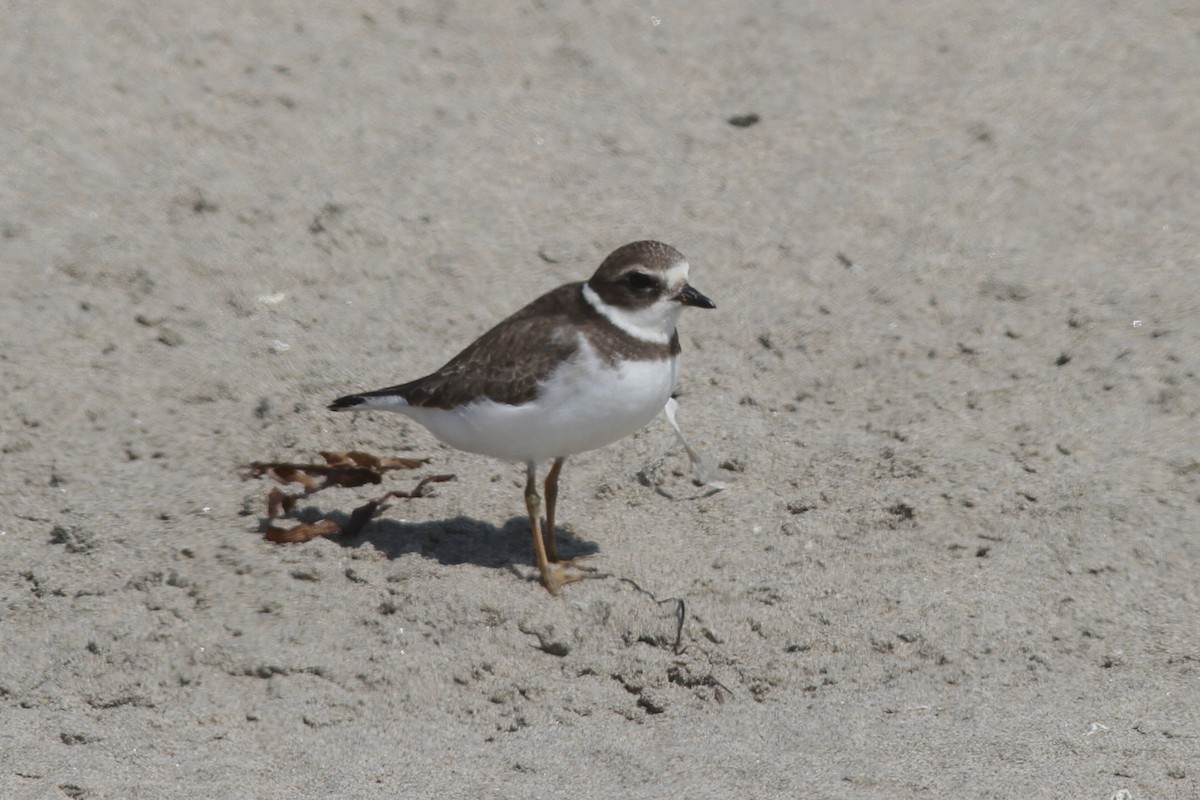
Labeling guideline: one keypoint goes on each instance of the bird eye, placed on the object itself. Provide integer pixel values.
(640, 281)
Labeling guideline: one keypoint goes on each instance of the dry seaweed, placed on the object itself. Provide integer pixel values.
(346, 469)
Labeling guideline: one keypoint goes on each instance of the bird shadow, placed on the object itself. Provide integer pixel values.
(455, 540)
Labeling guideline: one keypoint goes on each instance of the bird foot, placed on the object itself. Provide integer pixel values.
(557, 575)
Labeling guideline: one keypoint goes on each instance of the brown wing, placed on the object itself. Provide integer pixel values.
(507, 363)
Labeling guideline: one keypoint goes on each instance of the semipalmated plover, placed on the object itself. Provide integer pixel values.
(580, 367)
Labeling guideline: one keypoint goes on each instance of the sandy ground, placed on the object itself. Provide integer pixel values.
(953, 372)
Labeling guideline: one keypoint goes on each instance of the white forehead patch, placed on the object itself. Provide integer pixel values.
(677, 275)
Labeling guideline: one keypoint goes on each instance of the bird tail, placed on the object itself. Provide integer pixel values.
(382, 400)
(350, 402)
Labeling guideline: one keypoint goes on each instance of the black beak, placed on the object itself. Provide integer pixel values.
(690, 297)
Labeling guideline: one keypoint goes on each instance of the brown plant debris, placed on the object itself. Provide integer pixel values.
(346, 469)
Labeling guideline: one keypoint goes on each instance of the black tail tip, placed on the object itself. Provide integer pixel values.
(349, 401)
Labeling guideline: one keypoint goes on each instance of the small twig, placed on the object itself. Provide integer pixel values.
(680, 612)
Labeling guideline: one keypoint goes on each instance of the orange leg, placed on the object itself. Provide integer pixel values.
(551, 502)
(533, 506)
(553, 576)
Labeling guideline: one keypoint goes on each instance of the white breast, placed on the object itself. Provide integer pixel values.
(585, 404)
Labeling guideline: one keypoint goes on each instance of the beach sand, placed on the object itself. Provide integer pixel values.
(952, 377)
